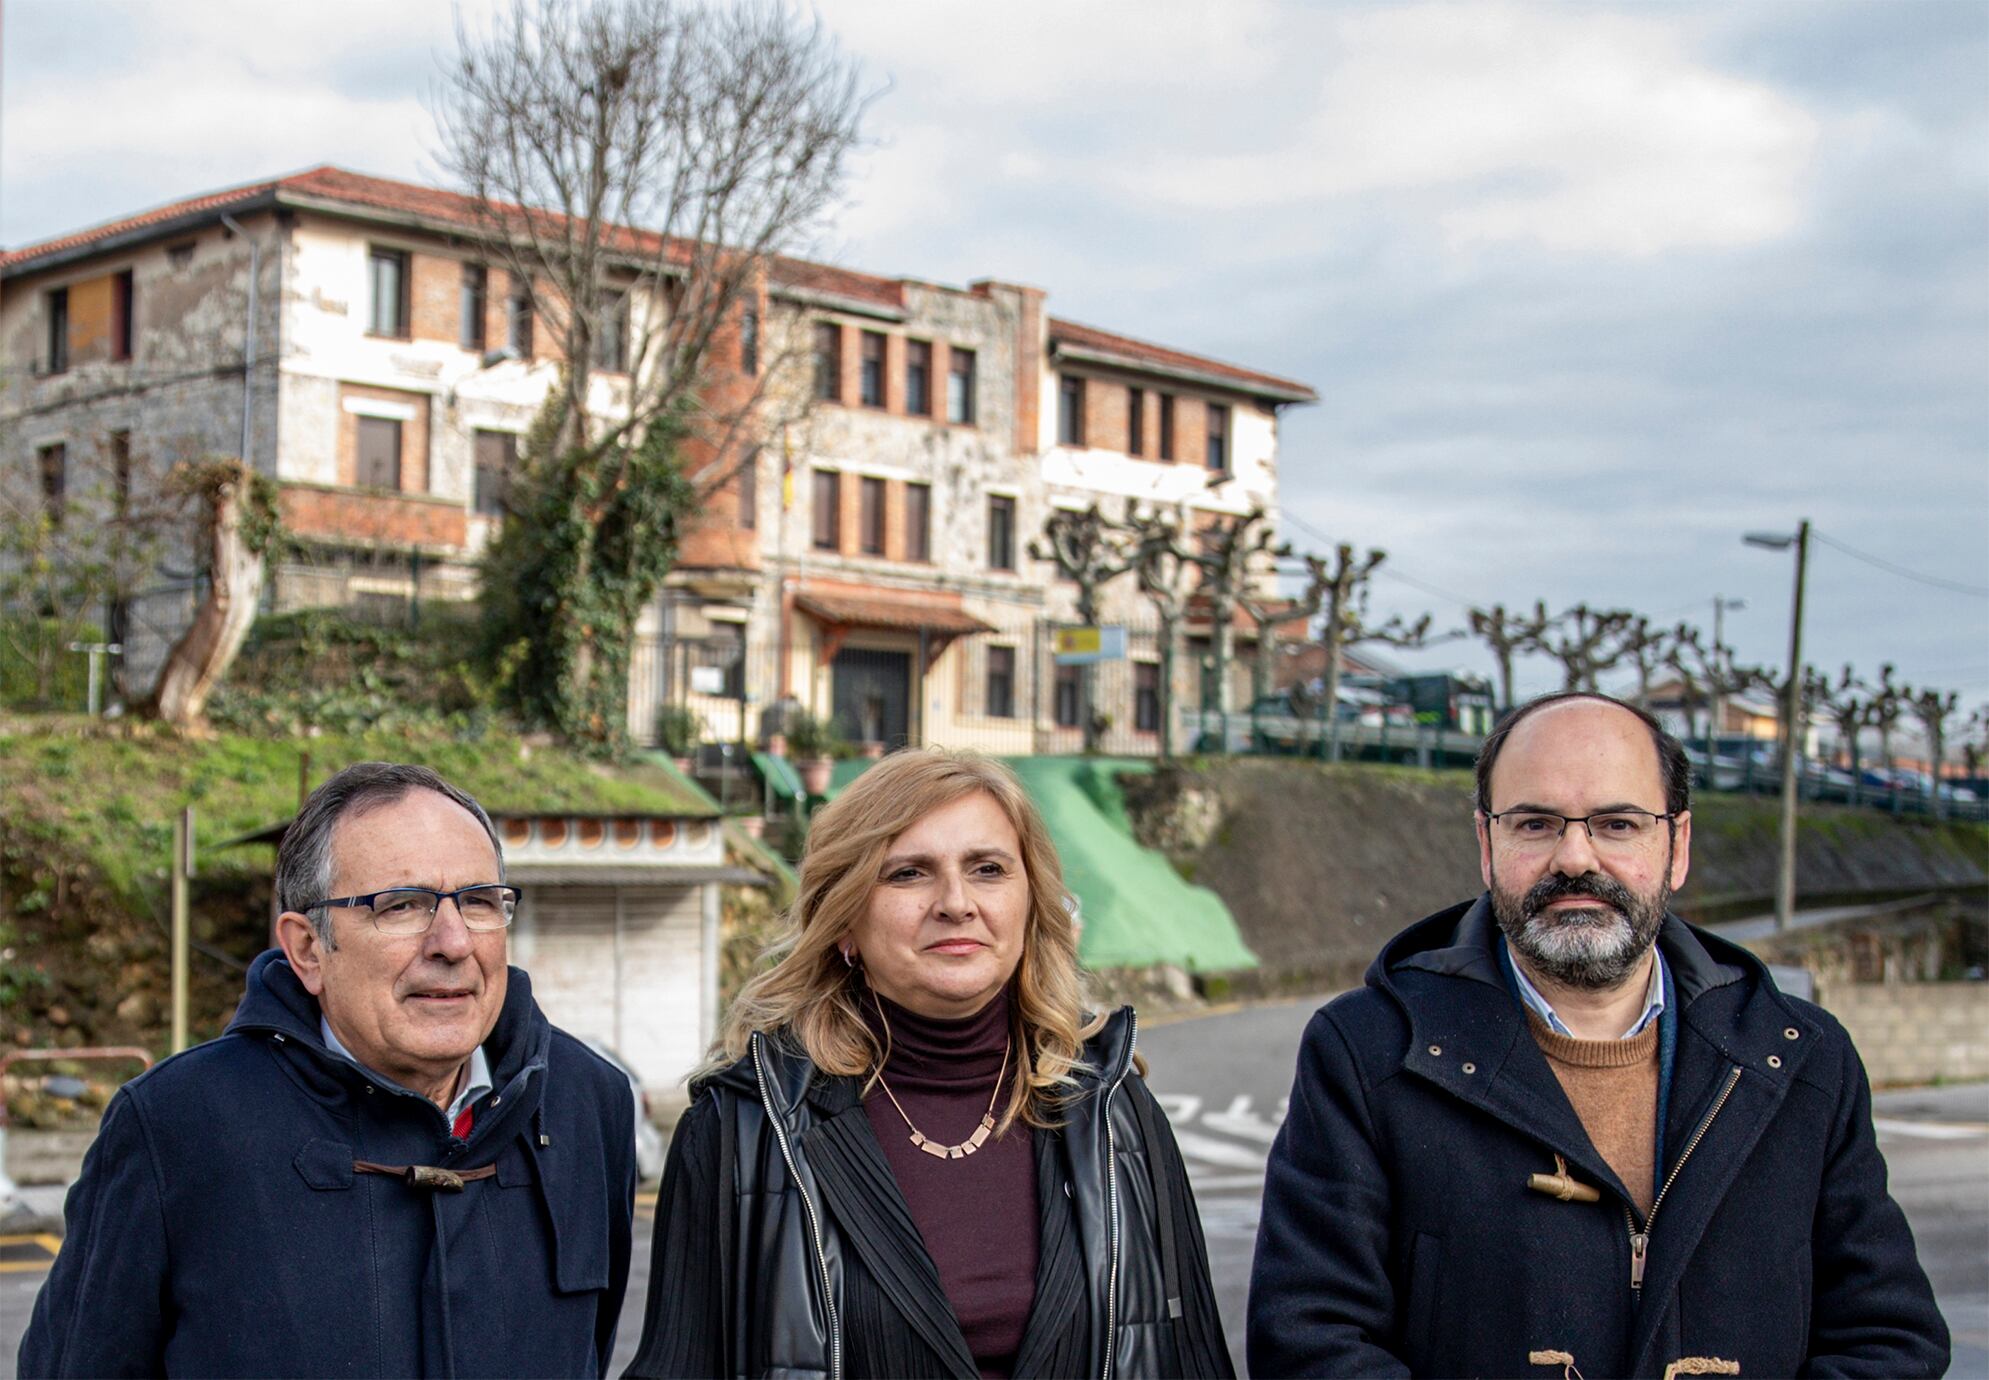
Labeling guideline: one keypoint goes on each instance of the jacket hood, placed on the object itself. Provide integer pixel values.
(1461, 942)
(275, 1001)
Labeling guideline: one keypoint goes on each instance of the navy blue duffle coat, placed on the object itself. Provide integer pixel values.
(219, 1228)
(1400, 1237)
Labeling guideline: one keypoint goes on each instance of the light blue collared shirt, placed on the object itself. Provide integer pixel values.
(1653, 1000)
(475, 1085)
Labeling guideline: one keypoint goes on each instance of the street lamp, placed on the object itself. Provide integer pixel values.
(1785, 876)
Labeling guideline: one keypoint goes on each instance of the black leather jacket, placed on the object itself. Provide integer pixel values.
(783, 1257)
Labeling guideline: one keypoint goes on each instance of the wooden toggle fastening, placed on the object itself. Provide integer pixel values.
(426, 1175)
(1562, 1185)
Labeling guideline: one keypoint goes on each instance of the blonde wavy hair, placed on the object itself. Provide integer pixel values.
(812, 996)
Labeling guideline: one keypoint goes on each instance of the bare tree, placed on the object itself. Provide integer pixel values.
(1508, 635)
(1164, 577)
(1975, 741)
(1647, 648)
(1849, 708)
(636, 166)
(1934, 710)
(239, 524)
(1269, 611)
(639, 167)
(1227, 552)
(1888, 707)
(1341, 590)
(1090, 552)
(1586, 642)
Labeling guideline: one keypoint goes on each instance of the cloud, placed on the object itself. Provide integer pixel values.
(1576, 130)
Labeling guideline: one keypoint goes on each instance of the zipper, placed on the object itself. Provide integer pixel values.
(1112, 1202)
(807, 1203)
(1640, 1241)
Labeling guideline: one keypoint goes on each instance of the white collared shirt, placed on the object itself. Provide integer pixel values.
(475, 1085)
(1653, 1000)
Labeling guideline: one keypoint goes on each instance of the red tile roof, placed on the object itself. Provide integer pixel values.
(446, 209)
(1090, 338)
(873, 606)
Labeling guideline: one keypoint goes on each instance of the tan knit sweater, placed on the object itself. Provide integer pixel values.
(1613, 1085)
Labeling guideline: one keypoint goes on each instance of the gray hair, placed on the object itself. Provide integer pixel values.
(304, 858)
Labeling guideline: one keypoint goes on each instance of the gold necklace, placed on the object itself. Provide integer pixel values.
(919, 1138)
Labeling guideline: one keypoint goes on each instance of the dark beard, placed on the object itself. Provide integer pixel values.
(1591, 949)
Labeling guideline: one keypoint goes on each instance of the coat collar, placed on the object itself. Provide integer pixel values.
(1732, 1022)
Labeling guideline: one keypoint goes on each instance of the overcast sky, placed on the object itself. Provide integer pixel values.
(1587, 290)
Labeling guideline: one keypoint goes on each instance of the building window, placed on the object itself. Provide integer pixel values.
(870, 516)
(58, 331)
(124, 296)
(611, 336)
(749, 342)
(918, 522)
(518, 321)
(1070, 410)
(870, 380)
(497, 453)
(828, 362)
(1001, 533)
(1001, 682)
(387, 269)
(1167, 426)
(1135, 421)
(469, 306)
(749, 490)
(1146, 697)
(1218, 437)
(960, 387)
(120, 458)
(379, 453)
(1069, 687)
(828, 510)
(918, 378)
(54, 464)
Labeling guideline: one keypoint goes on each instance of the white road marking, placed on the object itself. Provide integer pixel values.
(1929, 1130)
(1239, 1120)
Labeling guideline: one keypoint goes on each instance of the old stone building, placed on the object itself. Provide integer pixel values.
(868, 557)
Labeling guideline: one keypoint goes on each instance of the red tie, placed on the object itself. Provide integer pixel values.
(461, 1130)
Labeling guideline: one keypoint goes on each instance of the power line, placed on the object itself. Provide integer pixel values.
(1386, 569)
(1979, 591)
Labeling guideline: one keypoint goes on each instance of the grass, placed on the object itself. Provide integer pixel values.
(109, 800)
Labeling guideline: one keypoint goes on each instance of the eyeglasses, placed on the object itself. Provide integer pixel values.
(1538, 831)
(409, 910)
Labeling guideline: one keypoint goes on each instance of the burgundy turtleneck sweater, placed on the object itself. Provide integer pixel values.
(978, 1214)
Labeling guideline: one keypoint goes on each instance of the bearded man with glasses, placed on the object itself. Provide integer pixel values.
(389, 1164)
(1560, 1131)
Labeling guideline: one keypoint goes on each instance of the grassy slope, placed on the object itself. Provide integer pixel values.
(86, 834)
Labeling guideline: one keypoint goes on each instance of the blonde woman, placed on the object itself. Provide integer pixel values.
(912, 1152)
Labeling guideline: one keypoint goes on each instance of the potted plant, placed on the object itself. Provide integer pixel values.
(678, 732)
(815, 745)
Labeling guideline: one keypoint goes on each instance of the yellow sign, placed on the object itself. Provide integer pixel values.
(1079, 641)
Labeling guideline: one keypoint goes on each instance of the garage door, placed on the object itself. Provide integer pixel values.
(621, 965)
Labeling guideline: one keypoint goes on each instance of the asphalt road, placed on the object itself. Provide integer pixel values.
(1223, 1079)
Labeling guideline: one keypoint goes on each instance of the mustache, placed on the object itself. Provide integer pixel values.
(1556, 886)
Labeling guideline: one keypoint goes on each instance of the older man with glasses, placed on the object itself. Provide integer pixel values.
(390, 1163)
(1561, 1132)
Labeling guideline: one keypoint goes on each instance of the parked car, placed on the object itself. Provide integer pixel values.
(649, 1146)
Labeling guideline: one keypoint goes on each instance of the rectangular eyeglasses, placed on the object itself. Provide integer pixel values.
(1541, 830)
(411, 909)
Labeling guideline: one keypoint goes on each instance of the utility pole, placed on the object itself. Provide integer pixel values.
(1785, 877)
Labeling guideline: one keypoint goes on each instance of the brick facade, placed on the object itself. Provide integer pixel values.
(336, 515)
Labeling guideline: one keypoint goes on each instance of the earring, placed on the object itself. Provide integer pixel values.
(848, 952)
